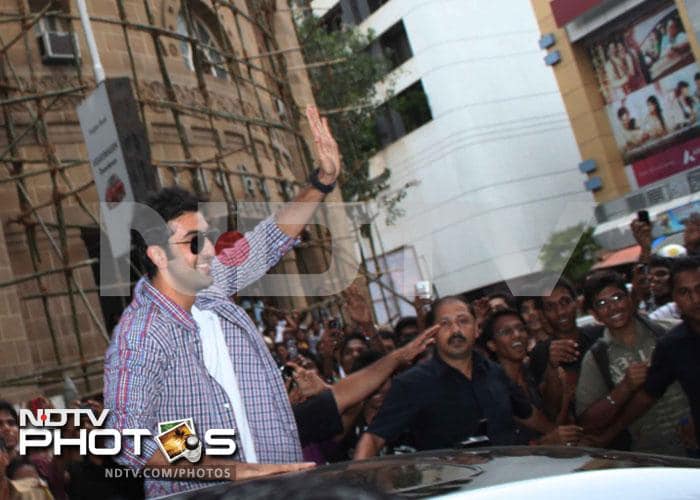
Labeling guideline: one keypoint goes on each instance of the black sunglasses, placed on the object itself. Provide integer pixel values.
(197, 242)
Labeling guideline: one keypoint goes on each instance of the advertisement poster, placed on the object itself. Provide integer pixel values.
(675, 159)
(650, 82)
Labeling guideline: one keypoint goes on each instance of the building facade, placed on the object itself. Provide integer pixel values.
(221, 90)
(487, 147)
(629, 77)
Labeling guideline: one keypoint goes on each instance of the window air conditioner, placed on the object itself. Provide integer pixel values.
(57, 47)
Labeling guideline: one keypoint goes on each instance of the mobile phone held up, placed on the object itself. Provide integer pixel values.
(424, 290)
(643, 216)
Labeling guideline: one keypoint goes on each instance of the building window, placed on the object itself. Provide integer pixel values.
(209, 45)
(356, 11)
(375, 4)
(332, 20)
(398, 271)
(402, 114)
(393, 43)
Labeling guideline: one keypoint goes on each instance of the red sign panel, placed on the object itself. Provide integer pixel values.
(675, 159)
(568, 10)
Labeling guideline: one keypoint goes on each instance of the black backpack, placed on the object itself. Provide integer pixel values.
(599, 350)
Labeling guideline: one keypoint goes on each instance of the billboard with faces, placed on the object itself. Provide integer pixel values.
(649, 80)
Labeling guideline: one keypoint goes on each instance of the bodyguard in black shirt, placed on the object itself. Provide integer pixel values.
(442, 401)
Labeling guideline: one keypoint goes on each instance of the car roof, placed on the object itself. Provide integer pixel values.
(436, 473)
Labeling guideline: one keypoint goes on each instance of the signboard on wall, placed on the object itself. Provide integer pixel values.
(675, 159)
(119, 156)
(650, 82)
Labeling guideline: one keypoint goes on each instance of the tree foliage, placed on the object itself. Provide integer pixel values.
(344, 74)
(556, 253)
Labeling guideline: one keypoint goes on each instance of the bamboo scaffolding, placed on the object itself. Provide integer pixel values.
(264, 74)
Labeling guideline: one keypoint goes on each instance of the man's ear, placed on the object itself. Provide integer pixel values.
(491, 346)
(158, 256)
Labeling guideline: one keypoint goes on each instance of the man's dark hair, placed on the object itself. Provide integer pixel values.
(561, 283)
(312, 357)
(15, 464)
(528, 292)
(659, 261)
(599, 280)
(385, 333)
(353, 336)
(683, 264)
(507, 298)
(431, 318)
(7, 406)
(403, 323)
(170, 203)
(365, 359)
(489, 323)
(521, 299)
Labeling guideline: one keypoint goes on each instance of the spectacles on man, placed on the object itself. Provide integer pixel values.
(197, 242)
(510, 331)
(613, 299)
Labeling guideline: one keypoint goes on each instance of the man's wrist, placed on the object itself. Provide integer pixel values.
(321, 181)
(325, 178)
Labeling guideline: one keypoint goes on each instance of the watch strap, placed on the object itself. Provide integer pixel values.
(317, 184)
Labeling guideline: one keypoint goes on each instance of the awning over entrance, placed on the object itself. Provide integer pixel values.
(627, 255)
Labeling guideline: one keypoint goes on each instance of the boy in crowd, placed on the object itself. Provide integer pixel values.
(615, 368)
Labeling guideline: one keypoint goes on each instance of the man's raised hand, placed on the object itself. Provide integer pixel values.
(326, 148)
(415, 348)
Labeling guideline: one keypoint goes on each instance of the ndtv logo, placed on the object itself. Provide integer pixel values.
(179, 440)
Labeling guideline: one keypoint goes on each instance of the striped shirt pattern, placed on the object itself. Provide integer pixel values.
(155, 372)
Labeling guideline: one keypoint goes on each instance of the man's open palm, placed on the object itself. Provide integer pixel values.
(326, 147)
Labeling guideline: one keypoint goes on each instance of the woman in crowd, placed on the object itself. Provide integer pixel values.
(537, 327)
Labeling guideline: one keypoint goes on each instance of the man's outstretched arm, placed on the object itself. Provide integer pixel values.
(250, 257)
(368, 446)
(294, 216)
(361, 384)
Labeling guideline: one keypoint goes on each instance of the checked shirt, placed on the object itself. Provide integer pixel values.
(155, 372)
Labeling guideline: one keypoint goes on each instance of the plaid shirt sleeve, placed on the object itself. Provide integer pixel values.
(251, 256)
(133, 369)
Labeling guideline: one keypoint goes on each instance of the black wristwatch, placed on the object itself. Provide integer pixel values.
(317, 184)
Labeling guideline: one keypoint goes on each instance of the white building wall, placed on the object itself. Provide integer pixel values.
(497, 165)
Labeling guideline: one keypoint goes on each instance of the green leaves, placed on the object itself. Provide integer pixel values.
(344, 73)
(557, 254)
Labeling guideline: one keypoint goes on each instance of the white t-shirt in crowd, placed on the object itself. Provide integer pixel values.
(217, 359)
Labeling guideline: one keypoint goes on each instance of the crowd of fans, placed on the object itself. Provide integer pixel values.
(498, 370)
